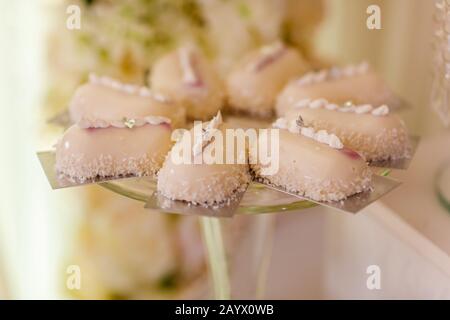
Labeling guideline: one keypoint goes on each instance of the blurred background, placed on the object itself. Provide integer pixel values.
(126, 252)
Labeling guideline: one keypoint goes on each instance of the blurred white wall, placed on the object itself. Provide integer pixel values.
(24, 204)
(30, 212)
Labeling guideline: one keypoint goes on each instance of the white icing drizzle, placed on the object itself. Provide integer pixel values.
(160, 98)
(333, 74)
(319, 103)
(157, 120)
(153, 120)
(321, 136)
(124, 123)
(382, 110)
(207, 134)
(127, 88)
(362, 109)
(190, 75)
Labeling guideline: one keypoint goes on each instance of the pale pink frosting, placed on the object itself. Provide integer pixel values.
(110, 152)
(315, 170)
(203, 183)
(254, 83)
(100, 105)
(187, 77)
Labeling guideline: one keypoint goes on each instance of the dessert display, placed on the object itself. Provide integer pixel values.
(105, 102)
(181, 58)
(254, 83)
(126, 130)
(185, 76)
(198, 181)
(315, 164)
(358, 84)
(374, 131)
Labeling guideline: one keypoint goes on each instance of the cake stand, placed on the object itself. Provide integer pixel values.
(259, 202)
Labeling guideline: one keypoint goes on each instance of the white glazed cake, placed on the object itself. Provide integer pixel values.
(315, 164)
(137, 150)
(104, 102)
(202, 183)
(185, 76)
(375, 132)
(254, 83)
(356, 83)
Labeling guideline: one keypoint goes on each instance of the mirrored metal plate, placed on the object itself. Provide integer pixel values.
(163, 204)
(403, 163)
(147, 193)
(357, 202)
(59, 181)
(257, 199)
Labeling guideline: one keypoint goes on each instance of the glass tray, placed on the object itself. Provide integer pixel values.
(257, 199)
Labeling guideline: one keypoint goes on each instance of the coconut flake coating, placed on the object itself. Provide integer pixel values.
(375, 137)
(315, 170)
(185, 76)
(360, 88)
(98, 105)
(254, 83)
(109, 152)
(204, 184)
